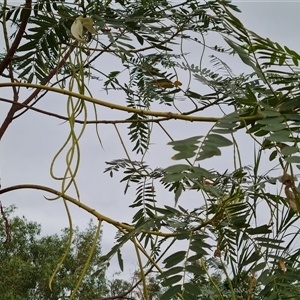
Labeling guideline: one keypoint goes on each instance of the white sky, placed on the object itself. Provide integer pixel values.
(31, 141)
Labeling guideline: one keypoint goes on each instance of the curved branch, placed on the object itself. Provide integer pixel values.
(168, 115)
(83, 206)
(51, 114)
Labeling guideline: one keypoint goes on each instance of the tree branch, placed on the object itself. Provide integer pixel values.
(88, 209)
(16, 106)
(169, 115)
(10, 54)
(61, 117)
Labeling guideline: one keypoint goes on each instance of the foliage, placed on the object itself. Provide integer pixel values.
(257, 257)
(133, 289)
(28, 261)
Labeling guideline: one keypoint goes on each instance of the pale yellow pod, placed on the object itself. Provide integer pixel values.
(77, 30)
(88, 24)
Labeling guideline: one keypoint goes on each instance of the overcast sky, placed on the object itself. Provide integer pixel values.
(31, 141)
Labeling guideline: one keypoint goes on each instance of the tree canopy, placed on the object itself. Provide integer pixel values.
(244, 219)
(28, 261)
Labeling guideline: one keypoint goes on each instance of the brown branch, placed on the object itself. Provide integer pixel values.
(8, 59)
(48, 113)
(49, 77)
(10, 54)
(17, 106)
(83, 206)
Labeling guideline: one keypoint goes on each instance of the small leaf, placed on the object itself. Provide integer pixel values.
(162, 83)
(190, 141)
(289, 150)
(280, 136)
(275, 127)
(199, 172)
(269, 240)
(292, 159)
(244, 56)
(246, 101)
(270, 113)
(269, 121)
(169, 272)
(171, 280)
(264, 229)
(173, 177)
(177, 83)
(191, 290)
(218, 140)
(174, 259)
(207, 152)
(177, 168)
(184, 155)
(178, 193)
(259, 267)
(120, 260)
(255, 256)
(171, 292)
(273, 155)
(196, 270)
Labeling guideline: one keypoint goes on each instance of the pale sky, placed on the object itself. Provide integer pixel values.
(32, 140)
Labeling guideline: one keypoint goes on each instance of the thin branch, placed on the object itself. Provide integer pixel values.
(85, 207)
(168, 115)
(16, 106)
(10, 54)
(48, 113)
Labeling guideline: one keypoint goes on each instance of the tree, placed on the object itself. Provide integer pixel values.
(59, 47)
(28, 261)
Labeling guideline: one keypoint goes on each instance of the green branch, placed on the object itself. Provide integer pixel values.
(85, 207)
(168, 115)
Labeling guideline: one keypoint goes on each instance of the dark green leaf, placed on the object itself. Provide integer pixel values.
(207, 152)
(264, 229)
(177, 168)
(195, 269)
(190, 141)
(171, 292)
(174, 259)
(169, 272)
(280, 136)
(120, 259)
(273, 155)
(293, 159)
(218, 140)
(287, 150)
(171, 280)
(173, 177)
(178, 193)
(259, 267)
